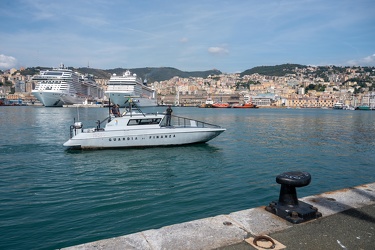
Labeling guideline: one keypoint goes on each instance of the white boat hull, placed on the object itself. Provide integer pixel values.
(165, 136)
(49, 98)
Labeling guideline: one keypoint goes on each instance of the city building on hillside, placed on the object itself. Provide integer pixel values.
(265, 99)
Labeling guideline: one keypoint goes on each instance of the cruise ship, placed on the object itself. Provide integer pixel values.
(121, 88)
(61, 86)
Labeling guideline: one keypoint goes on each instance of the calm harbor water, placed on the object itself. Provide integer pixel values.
(51, 197)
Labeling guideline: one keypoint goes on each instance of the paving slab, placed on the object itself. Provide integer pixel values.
(206, 233)
(131, 242)
(349, 229)
(258, 221)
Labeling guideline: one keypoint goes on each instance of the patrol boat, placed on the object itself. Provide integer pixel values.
(137, 129)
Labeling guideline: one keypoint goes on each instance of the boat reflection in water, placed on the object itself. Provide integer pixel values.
(137, 129)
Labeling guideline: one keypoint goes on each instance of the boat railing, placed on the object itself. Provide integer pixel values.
(98, 122)
(179, 121)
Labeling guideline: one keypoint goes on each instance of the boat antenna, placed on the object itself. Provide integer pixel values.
(109, 107)
(126, 103)
(78, 112)
(130, 100)
(133, 105)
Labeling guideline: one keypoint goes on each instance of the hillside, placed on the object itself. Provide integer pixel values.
(277, 70)
(152, 74)
(98, 73)
(149, 74)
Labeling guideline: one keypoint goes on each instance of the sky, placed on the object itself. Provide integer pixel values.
(191, 35)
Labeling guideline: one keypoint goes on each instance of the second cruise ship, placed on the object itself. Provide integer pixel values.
(121, 88)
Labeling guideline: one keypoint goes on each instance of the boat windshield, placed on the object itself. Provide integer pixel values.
(147, 121)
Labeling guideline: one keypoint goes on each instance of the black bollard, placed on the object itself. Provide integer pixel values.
(288, 206)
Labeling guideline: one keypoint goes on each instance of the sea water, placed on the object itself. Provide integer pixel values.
(51, 197)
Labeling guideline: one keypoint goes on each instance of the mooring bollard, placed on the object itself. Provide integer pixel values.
(288, 206)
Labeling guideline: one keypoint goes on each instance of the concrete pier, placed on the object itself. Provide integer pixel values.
(347, 222)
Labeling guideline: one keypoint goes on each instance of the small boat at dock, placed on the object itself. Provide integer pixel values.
(207, 104)
(338, 105)
(137, 129)
(221, 105)
(246, 106)
(363, 107)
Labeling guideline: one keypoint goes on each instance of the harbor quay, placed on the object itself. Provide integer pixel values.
(346, 220)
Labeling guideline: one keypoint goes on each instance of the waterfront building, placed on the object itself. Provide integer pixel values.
(264, 100)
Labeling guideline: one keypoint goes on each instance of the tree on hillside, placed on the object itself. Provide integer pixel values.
(6, 83)
(31, 71)
(316, 87)
(246, 85)
(278, 70)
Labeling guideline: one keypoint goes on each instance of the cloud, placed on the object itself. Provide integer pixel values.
(369, 59)
(184, 40)
(7, 62)
(218, 50)
(366, 61)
